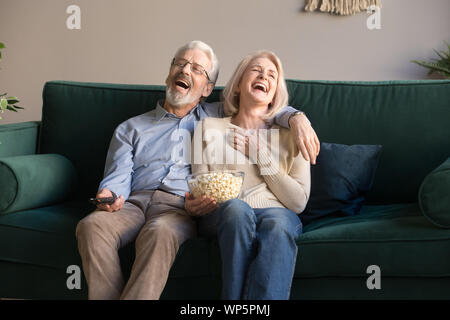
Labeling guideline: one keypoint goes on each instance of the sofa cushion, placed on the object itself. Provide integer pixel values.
(397, 238)
(34, 180)
(434, 195)
(340, 179)
(36, 247)
(43, 236)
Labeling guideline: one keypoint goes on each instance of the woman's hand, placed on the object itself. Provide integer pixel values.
(248, 142)
(198, 206)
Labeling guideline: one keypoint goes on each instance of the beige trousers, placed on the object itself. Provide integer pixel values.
(158, 223)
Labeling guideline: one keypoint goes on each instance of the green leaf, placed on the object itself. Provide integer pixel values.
(434, 67)
(10, 108)
(2, 45)
(3, 103)
(441, 65)
(17, 107)
(439, 54)
(12, 101)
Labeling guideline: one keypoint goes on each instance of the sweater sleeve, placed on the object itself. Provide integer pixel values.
(197, 147)
(291, 188)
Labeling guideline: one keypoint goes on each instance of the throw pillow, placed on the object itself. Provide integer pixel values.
(434, 195)
(343, 174)
(35, 180)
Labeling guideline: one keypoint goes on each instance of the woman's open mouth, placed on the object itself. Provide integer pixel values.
(260, 86)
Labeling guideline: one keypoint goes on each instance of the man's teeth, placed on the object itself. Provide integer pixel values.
(182, 84)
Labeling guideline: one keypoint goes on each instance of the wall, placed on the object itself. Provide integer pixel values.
(133, 41)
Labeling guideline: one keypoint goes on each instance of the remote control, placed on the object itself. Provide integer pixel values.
(108, 200)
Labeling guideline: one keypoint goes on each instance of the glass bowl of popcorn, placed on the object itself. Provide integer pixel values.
(218, 185)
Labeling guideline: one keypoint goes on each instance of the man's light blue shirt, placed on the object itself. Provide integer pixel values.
(146, 152)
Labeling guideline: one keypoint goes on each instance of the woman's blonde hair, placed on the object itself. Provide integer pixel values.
(231, 96)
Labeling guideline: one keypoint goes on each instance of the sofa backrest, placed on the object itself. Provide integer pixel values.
(411, 119)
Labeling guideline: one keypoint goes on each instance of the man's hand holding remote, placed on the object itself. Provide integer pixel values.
(116, 206)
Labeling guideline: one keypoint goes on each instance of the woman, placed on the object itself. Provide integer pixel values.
(257, 233)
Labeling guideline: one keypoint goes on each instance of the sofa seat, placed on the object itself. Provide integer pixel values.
(334, 254)
(38, 245)
(42, 243)
(41, 234)
(347, 246)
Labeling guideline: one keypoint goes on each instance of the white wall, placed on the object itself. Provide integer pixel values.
(133, 41)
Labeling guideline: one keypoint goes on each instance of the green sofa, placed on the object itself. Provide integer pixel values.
(49, 169)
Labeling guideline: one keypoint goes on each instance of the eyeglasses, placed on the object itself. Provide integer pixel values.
(195, 67)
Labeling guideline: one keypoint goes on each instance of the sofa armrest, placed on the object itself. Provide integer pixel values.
(434, 195)
(33, 181)
(18, 139)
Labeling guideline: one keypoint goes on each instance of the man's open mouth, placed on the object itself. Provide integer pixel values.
(183, 84)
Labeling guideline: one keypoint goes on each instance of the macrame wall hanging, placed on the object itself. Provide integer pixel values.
(341, 7)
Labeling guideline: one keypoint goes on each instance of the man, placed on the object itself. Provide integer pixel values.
(153, 207)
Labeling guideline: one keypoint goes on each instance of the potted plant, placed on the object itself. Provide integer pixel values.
(7, 103)
(441, 65)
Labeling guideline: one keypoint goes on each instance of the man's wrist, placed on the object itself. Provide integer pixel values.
(296, 113)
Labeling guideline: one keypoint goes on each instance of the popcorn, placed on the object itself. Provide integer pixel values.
(221, 186)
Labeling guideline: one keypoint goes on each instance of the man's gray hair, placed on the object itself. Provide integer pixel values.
(200, 45)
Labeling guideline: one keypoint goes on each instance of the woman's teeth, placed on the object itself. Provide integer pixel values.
(260, 86)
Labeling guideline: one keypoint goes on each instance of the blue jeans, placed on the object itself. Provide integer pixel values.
(257, 247)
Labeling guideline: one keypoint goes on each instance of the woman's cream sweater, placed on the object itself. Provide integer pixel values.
(272, 179)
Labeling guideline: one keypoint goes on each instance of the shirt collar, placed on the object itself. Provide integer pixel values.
(160, 112)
